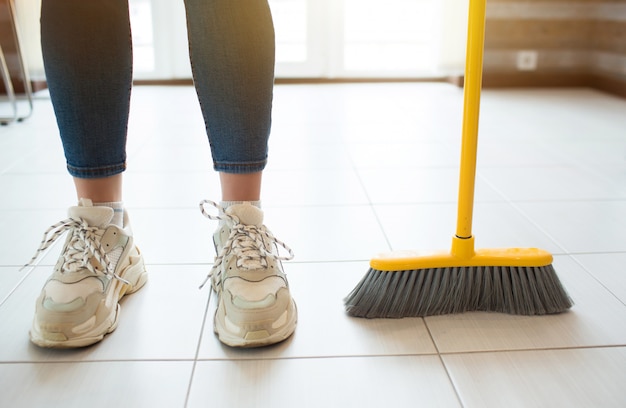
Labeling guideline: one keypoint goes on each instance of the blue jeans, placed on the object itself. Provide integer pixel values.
(87, 54)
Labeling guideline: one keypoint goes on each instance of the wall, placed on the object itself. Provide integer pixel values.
(449, 59)
(27, 23)
(577, 43)
(453, 37)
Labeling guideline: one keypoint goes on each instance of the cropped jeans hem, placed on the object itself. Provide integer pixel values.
(240, 168)
(96, 172)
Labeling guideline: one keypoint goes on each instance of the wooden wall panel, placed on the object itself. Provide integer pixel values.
(578, 42)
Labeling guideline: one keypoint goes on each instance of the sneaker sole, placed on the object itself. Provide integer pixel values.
(137, 276)
(260, 338)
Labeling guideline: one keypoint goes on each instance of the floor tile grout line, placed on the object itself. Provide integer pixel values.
(590, 169)
(200, 338)
(322, 357)
(334, 261)
(538, 349)
(218, 359)
(124, 360)
(368, 197)
(474, 353)
(189, 207)
(597, 280)
(553, 239)
(443, 364)
(29, 271)
(525, 215)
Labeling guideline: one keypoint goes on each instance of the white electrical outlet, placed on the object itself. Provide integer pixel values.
(527, 60)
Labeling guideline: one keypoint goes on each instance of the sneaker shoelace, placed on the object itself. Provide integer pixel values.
(82, 246)
(249, 244)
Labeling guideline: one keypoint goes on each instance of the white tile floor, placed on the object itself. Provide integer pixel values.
(354, 170)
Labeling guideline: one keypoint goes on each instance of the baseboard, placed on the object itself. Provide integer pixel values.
(606, 83)
(602, 82)
(534, 80)
(281, 81)
(609, 84)
(164, 82)
(19, 89)
(358, 80)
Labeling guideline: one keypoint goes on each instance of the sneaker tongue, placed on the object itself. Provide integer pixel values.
(95, 216)
(247, 213)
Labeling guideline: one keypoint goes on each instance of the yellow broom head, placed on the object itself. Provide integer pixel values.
(410, 284)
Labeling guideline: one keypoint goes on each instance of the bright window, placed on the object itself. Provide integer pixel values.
(143, 40)
(390, 36)
(290, 21)
(314, 38)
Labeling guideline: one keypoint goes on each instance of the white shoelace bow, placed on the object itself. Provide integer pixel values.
(83, 245)
(249, 243)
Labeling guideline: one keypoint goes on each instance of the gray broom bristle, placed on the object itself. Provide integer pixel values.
(437, 291)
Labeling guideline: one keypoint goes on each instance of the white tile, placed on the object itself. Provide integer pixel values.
(498, 225)
(304, 152)
(418, 226)
(32, 137)
(43, 158)
(168, 159)
(596, 319)
(396, 112)
(300, 124)
(169, 190)
(168, 104)
(550, 183)
(581, 226)
(17, 314)
(173, 235)
(159, 133)
(10, 278)
(428, 227)
(424, 185)
(520, 152)
(406, 381)
(594, 152)
(321, 234)
(544, 378)
(400, 130)
(161, 321)
(608, 269)
(614, 173)
(552, 115)
(37, 191)
(17, 249)
(313, 187)
(404, 155)
(324, 329)
(101, 384)
(337, 153)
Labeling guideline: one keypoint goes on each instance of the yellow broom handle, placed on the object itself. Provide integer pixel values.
(471, 107)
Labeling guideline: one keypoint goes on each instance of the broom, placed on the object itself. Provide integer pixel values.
(511, 280)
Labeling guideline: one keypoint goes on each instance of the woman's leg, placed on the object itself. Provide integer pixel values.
(88, 62)
(232, 53)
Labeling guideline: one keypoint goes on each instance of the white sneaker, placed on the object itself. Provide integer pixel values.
(99, 264)
(255, 307)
